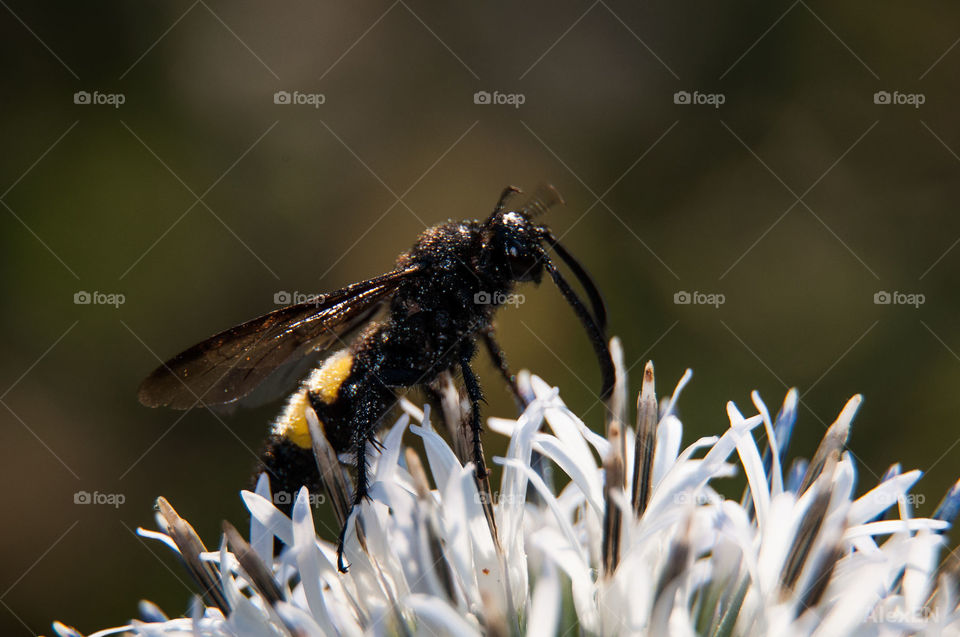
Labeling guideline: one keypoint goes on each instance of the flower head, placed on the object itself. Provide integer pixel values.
(634, 536)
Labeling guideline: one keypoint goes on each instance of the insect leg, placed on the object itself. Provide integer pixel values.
(499, 359)
(594, 333)
(540, 466)
(360, 492)
(596, 300)
(373, 401)
(475, 394)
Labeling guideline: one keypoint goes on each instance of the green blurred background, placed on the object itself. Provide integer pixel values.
(798, 199)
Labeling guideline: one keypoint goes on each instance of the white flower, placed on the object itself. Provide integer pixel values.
(653, 550)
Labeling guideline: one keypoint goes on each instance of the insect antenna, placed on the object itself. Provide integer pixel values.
(507, 193)
(542, 199)
(594, 333)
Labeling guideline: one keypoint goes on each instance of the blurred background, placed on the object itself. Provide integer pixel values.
(791, 170)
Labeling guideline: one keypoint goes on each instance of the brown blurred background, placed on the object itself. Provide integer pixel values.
(799, 198)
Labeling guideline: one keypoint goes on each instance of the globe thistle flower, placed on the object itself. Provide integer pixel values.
(631, 538)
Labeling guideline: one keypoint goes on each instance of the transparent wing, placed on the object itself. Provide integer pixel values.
(231, 364)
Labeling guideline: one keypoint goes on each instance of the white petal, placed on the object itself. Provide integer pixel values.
(568, 559)
(895, 526)
(565, 425)
(245, 617)
(439, 618)
(752, 465)
(561, 521)
(443, 462)
(672, 405)
(268, 516)
(776, 472)
(510, 505)
(457, 540)
(390, 454)
(882, 497)
(544, 616)
(463, 513)
(299, 620)
(309, 559)
(921, 566)
(161, 537)
(261, 538)
(585, 476)
(669, 435)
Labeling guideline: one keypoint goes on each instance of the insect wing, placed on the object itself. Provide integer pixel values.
(230, 365)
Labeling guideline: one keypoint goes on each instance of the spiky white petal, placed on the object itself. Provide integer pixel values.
(801, 555)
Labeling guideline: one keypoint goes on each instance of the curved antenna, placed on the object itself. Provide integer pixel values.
(596, 300)
(595, 334)
(542, 199)
(508, 192)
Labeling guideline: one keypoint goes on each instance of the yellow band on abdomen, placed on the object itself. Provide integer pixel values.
(324, 381)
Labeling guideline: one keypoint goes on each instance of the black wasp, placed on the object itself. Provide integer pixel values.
(416, 322)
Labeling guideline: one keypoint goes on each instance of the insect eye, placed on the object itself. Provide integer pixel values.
(524, 265)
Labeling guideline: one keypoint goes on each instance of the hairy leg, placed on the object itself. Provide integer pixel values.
(500, 360)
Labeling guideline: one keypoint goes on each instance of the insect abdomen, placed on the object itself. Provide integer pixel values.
(324, 382)
(288, 454)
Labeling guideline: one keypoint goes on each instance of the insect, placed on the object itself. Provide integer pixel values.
(423, 318)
